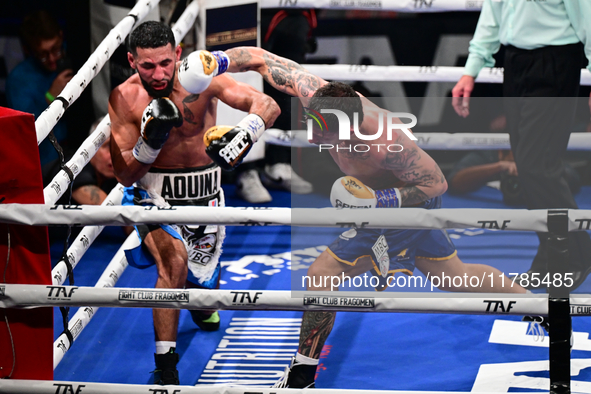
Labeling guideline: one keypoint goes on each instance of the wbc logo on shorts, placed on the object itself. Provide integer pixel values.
(380, 250)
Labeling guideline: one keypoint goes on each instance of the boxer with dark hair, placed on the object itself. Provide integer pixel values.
(162, 152)
(375, 179)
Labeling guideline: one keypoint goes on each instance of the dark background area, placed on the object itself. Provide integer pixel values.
(414, 39)
(74, 18)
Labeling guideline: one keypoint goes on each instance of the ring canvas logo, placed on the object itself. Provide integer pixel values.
(344, 132)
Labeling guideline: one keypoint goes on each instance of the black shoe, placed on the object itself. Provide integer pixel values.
(205, 321)
(166, 372)
(297, 376)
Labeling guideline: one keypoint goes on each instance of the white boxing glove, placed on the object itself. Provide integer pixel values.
(198, 69)
(350, 192)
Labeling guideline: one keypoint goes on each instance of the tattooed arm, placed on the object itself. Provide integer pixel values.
(283, 74)
(422, 176)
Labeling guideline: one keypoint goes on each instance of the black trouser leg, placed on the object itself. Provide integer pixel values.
(540, 88)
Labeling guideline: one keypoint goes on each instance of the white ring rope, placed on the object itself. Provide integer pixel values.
(83, 316)
(483, 141)
(35, 296)
(59, 185)
(354, 72)
(49, 118)
(52, 387)
(83, 241)
(432, 141)
(399, 218)
(379, 5)
(185, 21)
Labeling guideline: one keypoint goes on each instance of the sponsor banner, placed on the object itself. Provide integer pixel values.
(153, 295)
(382, 5)
(231, 26)
(232, 36)
(209, 376)
(355, 72)
(356, 302)
(470, 303)
(59, 293)
(245, 297)
(580, 309)
(502, 306)
(402, 218)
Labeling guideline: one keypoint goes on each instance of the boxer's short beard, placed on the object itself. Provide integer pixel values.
(159, 93)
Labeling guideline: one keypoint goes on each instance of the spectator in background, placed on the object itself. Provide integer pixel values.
(478, 168)
(35, 82)
(288, 33)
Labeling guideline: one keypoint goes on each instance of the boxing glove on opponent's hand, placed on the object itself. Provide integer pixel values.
(350, 192)
(228, 145)
(159, 117)
(197, 70)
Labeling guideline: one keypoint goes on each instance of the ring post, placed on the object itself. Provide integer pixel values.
(26, 335)
(558, 302)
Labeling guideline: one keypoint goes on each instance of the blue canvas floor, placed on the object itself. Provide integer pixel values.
(403, 351)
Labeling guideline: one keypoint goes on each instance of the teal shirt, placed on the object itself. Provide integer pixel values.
(25, 91)
(528, 24)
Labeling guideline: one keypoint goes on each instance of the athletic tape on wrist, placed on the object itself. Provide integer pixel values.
(223, 61)
(144, 153)
(254, 124)
(388, 198)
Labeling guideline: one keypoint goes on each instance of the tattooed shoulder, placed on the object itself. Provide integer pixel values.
(281, 62)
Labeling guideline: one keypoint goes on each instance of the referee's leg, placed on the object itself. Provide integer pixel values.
(545, 84)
